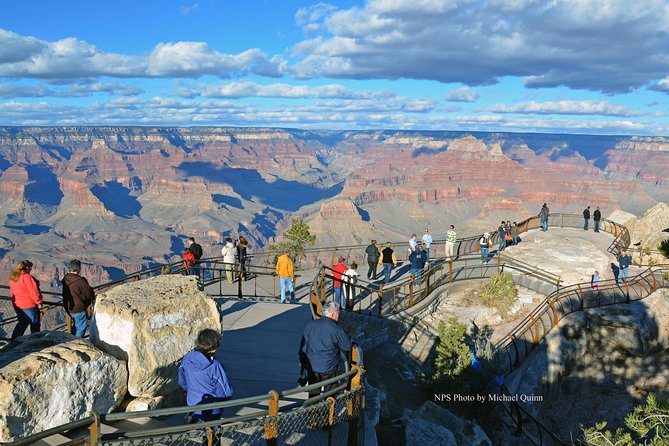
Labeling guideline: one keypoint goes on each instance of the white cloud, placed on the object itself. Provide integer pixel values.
(283, 90)
(602, 45)
(462, 94)
(9, 90)
(603, 108)
(71, 58)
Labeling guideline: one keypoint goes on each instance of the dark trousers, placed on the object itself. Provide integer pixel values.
(26, 317)
(371, 272)
(315, 377)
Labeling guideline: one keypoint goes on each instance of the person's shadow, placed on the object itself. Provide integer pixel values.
(616, 270)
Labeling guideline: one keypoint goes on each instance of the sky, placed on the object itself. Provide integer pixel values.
(560, 66)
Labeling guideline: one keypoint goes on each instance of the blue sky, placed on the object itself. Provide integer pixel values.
(576, 66)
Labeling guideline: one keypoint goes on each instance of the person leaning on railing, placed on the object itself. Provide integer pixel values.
(26, 298)
(77, 298)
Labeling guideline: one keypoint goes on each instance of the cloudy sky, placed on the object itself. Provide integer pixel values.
(577, 66)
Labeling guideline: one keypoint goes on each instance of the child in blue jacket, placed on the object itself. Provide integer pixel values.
(203, 377)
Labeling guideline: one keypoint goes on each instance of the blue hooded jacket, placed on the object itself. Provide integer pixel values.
(204, 380)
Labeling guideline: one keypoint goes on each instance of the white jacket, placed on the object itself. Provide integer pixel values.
(228, 252)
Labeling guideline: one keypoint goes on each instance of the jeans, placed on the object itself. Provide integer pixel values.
(25, 317)
(596, 225)
(586, 224)
(427, 254)
(287, 282)
(79, 323)
(484, 254)
(624, 272)
(337, 296)
(544, 225)
(415, 272)
(387, 268)
(502, 242)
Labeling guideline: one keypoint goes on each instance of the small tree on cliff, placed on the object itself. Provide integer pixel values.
(453, 356)
(646, 425)
(663, 247)
(297, 238)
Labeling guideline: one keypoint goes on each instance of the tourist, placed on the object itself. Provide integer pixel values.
(596, 217)
(373, 255)
(508, 238)
(338, 270)
(26, 298)
(413, 241)
(196, 249)
(77, 298)
(229, 253)
(242, 253)
(515, 233)
(350, 278)
(417, 259)
(451, 238)
(484, 246)
(388, 260)
(594, 282)
(188, 261)
(501, 231)
(286, 273)
(586, 218)
(204, 379)
(543, 215)
(624, 261)
(427, 241)
(323, 342)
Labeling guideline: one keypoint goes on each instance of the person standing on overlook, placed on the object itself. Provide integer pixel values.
(242, 252)
(286, 273)
(388, 260)
(77, 298)
(322, 344)
(338, 271)
(228, 252)
(350, 278)
(372, 260)
(413, 242)
(586, 218)
(596, 217)
(26, 298)
(451, 238)
(427, 241)
(501, 232)
(624, 261)
(543, 215)
(417, 259)
(485, 243)
(196, 249)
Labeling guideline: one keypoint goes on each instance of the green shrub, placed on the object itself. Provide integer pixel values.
(298, 238)
(663, 247)
(665, 276)
(453, 356)
(499, 293)
(646, 422)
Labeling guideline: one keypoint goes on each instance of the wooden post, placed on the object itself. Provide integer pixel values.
(381, 301)
(94, 430)
(272, 425)
(411, 291)
(450, 270)
(353, 404)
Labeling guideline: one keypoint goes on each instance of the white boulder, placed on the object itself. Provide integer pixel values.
(152, 324)
(52, 378)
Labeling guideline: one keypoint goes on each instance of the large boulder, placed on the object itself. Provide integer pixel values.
(51, 378)
(651, 230)
(151, 324)
(432, 424)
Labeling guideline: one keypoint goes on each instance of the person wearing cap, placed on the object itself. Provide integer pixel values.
(77, 297)
(337, 272)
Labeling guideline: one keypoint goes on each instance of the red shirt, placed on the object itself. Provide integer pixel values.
(25, 292)
(337, 271)
(189, 259)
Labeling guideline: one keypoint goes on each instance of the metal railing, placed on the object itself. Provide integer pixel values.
(336, 415)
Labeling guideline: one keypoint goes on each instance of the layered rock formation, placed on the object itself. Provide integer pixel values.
(94, 192)
(52, 378)
(151, 324)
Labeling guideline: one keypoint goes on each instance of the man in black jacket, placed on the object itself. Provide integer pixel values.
(77, 298)
(597, 216)
(586, 218)
(372, 260)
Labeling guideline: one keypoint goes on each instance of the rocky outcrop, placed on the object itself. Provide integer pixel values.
(52, 378)
(151, 324)
(432, 424)
(652, 227)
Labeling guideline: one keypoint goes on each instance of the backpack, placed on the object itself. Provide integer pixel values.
(485, 241)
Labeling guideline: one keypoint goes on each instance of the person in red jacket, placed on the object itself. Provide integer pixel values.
(337, 271)
(26, 298)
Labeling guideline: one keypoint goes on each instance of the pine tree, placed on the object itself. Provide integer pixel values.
(297, 238)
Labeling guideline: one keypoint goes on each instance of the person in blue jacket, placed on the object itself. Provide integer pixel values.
(203, 377)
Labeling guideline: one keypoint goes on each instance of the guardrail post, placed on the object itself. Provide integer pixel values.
(68, 321)
(94, 430)
(272, 426)
(354, 404)
(427, 281)
(499, 261)
(381, 301)
(450, 270)
(331, 415)
(411, 291)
